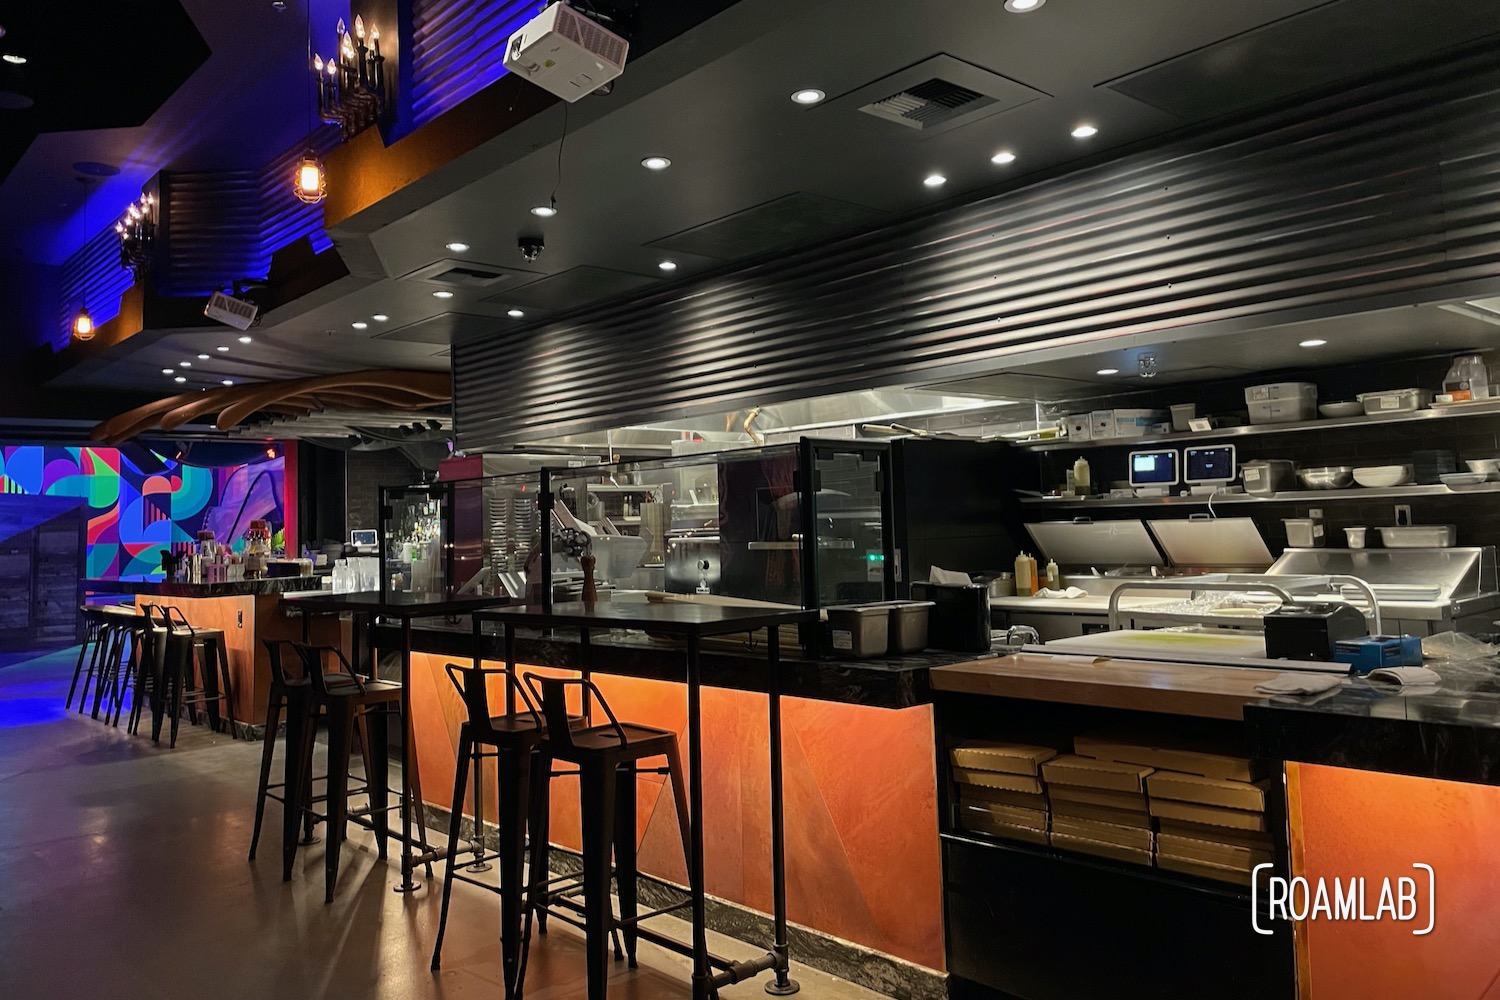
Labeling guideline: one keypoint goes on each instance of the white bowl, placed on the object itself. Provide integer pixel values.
(1487, 467)
(1342, 409)
(1379, 477)
(1463, 480)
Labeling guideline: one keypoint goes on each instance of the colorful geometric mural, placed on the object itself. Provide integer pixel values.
(135, 515)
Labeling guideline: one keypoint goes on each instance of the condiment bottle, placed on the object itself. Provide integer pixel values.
(1081, 476)
(1054, 576)
(1024, 587)
(1036, 584)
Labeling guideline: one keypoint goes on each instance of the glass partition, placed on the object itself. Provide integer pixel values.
(733, 525)
(415, 540)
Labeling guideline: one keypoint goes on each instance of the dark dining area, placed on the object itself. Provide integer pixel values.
(855, 499)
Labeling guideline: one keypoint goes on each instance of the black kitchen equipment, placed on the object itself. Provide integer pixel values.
(960, 616)
(1310, 631)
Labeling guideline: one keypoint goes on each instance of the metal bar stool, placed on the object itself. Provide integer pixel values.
(608, 759)
(292, 693)
(93, 635)
(353, 702)
(116, 624)
(511, 738)
(184, 644)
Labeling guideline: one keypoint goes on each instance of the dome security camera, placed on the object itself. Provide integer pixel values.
(531, 248)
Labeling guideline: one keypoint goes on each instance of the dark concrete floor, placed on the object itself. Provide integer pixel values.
(123, 873)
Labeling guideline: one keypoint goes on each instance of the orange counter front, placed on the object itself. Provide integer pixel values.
(861, 804)
(1346, 824)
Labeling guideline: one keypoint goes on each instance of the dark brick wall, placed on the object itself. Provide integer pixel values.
(368, 471)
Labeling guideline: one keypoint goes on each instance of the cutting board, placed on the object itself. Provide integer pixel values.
(1227, 648)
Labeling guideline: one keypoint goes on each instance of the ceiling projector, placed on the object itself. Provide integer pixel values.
(566, 53)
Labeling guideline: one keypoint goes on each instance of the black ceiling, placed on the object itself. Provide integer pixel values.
(99, 64)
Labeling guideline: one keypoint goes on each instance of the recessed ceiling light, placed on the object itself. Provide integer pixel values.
(457, 247)
(169, 371)
(1085, 132)
(668, 265)
(222, 349)
(184, 364)
(545, 211)
(14, 59)
(656, 163)
(203, 357)
(380, 317)
(809, 96)
(935, 180)
(1022, 6)
(1108, 371)
(515, 313)
(442, 295)
(1312, 343)
(360, 326)
(1003, 157)
(246, 339)
(227, 381)
(180, 378)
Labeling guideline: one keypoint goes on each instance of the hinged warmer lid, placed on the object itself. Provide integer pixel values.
(1213, 542)
(1086, 543)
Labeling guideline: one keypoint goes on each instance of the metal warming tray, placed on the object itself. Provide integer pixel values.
(1423, 584)
(1084, 543)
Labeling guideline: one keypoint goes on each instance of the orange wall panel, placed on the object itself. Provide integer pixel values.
(861, 804)
(1360, 823)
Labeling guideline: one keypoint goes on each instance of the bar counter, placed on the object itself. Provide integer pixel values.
(1375, 778)
(860, 786)
(248, 612)
(236, 588)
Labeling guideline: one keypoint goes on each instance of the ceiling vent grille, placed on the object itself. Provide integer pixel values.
(928, 104)
(466, 274)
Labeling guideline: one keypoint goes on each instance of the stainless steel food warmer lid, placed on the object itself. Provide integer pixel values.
(1212, 542)
(1087, 543)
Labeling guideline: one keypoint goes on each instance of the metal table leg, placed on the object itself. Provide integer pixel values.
(407, 883)
(703, 987)
(782, 985)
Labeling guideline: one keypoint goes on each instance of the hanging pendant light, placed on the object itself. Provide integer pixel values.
(83, 320)
(83, 324)
(310, 181)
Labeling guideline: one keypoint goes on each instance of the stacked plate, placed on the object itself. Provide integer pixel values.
(1429, 467)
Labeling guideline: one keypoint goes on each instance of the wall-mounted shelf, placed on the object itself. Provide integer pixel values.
(1286, 496)
(1489, 408)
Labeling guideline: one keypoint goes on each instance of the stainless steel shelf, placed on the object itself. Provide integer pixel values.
(1490, 408)
(1286, 496)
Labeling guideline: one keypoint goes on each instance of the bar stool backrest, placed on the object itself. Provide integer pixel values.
(313, 660)
(552, 694)
(472, 684)
(291, 670)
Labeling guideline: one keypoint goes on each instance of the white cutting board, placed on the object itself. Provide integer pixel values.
(1228, 648)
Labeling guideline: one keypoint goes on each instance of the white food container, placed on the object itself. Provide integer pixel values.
(1395, 401)
(1282, 402)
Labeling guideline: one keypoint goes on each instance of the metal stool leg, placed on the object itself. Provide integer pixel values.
(455, 818)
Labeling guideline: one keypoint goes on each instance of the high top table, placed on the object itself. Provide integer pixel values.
(368, 606)
(693, 623)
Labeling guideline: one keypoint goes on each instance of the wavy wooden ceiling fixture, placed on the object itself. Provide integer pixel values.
(388, 389)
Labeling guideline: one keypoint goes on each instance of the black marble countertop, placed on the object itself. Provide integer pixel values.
(238, 588)
(1450, 730)
(894, 682)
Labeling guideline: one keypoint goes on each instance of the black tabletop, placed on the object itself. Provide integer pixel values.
(395, 605)
(663, 619)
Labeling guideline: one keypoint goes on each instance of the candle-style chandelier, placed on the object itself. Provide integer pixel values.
(137, 232)
(352, 84)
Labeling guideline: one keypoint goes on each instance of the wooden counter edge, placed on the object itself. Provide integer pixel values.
(1192, 689)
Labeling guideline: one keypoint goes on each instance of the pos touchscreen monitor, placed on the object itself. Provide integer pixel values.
(1152, 469)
